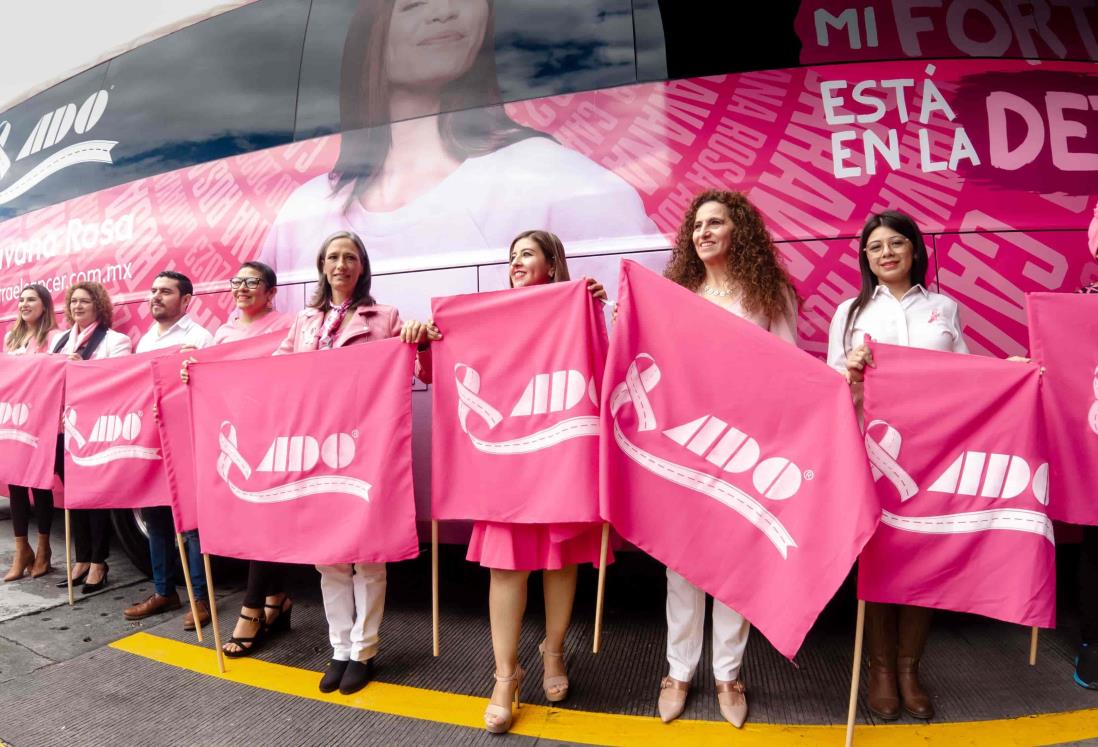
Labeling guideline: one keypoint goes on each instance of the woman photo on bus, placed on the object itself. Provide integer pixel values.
(90, 313)
(513, 551)
(431, 169)
(342, 312)
(266, 607)
(893, 306)
(725, 254)
(34, 331)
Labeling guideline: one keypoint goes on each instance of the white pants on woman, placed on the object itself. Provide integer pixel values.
(686, 628)
(353, 603)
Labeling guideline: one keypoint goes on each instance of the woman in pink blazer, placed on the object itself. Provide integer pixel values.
(33, 332)
(342, 312)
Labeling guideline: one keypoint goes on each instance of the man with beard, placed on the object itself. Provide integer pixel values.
(168, 300)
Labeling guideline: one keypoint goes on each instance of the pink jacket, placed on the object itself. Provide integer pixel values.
(368, 323)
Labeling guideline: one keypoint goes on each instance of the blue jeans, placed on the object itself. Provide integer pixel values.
(165, 557)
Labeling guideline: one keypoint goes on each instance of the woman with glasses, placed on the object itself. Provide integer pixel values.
(894, 306)
(89, 311)
(267, 606)
(33, 332)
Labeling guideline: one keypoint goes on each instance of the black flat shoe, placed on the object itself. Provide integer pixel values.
(333, 675)
(98, 585)
(357, 676)
(76, 581)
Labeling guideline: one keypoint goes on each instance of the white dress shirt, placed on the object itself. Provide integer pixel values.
(185, 331)
(921, 319)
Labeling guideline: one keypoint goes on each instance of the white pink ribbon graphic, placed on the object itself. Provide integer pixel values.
(1093, 415)
(467, 380)
(110, 454)
(634, 390)
(882, 457)
(230, 455)
(90, 151)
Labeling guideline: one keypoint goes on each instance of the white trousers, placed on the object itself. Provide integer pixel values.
(686, 628)
(354, 602)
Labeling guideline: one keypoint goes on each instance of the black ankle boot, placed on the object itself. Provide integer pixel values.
(357, 676)
(333, 675)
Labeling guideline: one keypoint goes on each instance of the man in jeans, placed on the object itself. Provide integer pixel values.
(168, 300)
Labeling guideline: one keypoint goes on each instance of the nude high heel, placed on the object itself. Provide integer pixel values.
(497, 719)
(21, 561)
(555, 686)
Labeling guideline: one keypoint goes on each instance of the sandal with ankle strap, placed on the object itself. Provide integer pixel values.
(281, 622)
(554, 685)
(497, 719)
(246, 645)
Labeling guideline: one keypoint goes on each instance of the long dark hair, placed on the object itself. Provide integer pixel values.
(22, 332)
(920, 261)
(360, 296)
(472, 123)
(755, 268)
(553, 249)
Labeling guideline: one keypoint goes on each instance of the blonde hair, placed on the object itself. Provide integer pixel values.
(22, 333)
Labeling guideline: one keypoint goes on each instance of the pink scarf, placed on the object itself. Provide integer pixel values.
(84, 336)
(332, 322)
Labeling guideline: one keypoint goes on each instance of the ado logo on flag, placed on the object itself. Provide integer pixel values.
(724, 446)
(558, 391)
(993, 476)
(107, 428)
(15, 414)
(292, 454)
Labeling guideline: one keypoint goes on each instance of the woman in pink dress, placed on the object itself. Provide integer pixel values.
(512, 551)
(33, 332)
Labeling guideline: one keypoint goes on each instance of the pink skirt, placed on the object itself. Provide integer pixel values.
(535, 547)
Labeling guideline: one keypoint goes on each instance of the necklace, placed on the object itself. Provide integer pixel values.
(716, 292)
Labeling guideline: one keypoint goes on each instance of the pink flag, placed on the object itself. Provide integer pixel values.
(963, 483)
(1063, 334)
(32, 388)
(516, 415)
(732, 457)
(112, 446)
(174, 417)
(307, 458)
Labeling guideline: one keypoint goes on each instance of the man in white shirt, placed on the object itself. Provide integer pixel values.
(168, 300)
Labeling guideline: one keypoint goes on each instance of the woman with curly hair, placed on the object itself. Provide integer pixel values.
(725, 254)
(89, 311)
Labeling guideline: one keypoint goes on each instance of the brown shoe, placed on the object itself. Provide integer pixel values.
(21, 561)
(42, 557)
(203, 615)
(154, 605)
(881, 640)
(914, 630)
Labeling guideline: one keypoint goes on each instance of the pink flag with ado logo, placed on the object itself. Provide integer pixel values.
(1063, 333)
(32, 389)
(732, 457)
(113, 457)
(306, 458)
(516, 405)
(174, 417)
(962, 477)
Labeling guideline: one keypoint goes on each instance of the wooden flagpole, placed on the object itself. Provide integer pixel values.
(187, 579)
(434, 587)
(856, 673)
(1033, 646)
(68, 556)
(213, 613)
(600, 595)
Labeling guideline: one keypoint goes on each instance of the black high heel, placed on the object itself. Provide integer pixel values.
(98, 585)
(281, 623)
(246, 645)
(76, 581)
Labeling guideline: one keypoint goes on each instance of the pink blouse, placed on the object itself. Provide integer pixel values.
(233, 330)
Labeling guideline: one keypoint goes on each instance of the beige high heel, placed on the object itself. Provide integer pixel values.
(555, 686)
(497, 719)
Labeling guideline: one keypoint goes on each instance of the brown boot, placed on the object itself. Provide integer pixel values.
(21, 561)
(914, 629)
(880, 635)
(42, 557)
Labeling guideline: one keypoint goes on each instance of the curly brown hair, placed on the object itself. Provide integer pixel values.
(755, 268)
(104, 309)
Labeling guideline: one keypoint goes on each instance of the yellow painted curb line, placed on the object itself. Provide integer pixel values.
(606, 728)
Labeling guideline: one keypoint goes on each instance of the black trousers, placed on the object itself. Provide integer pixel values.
(91, 527)
(21, 509)
(1088, 585)
(264, 580)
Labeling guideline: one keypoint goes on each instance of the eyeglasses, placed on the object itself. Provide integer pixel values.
(895, 243)
(249, 283)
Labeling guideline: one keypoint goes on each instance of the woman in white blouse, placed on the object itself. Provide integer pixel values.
(895, 307)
